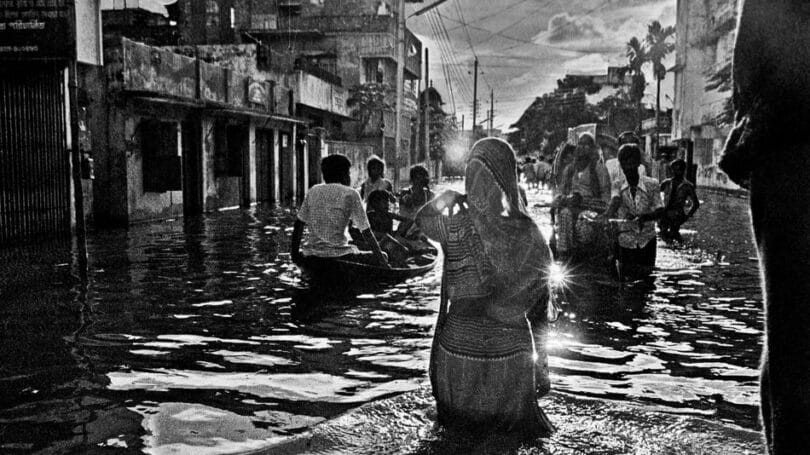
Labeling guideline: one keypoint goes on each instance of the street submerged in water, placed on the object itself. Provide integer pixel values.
(200, 336)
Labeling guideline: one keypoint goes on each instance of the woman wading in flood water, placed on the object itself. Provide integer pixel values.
(482, 365)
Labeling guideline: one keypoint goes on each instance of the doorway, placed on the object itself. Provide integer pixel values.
(265, 175)
(192, 168)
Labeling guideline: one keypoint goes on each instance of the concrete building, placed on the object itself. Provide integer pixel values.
(49, 52)
(701, 121)
(253, 130)
(183, 136)
(343, 46)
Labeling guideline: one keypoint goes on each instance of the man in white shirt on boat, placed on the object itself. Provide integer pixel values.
(327, 211)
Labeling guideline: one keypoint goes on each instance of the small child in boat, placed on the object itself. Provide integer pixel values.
(382, 225)
(413, 198)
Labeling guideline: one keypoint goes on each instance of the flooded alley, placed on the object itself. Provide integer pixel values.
(199, 335)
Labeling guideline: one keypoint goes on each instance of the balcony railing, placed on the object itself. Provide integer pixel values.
(317, 93)
(317, 71)
(340, 24)
(136, 67)
(380, 43)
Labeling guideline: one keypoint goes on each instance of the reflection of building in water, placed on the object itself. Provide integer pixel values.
(702, 116)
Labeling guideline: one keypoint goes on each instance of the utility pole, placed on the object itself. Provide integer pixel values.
(491, 110)
(382, 132)
(427, 107)
(418, 138)
(400, 87)
(475, 96)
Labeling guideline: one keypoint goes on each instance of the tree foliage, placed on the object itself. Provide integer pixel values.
(544, 125)
(368, 100)
(658, 46)
(636, 58)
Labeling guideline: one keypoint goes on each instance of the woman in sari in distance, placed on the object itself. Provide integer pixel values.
(483, 362)
(585, 191)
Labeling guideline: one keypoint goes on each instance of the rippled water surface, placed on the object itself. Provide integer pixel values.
(199, 336)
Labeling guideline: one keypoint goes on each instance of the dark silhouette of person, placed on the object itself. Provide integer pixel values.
(680, 201)
(769, 153)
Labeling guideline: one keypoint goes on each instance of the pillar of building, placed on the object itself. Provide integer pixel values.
(293, 147)
(250, 181)
(276, 166)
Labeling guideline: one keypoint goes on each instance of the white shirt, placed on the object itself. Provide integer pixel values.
(648, 199)
(369, 187)
(327, 210)
(617, 178)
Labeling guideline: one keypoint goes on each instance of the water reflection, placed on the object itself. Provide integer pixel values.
(200, 335)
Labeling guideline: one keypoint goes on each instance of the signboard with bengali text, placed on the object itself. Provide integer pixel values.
(36, 29)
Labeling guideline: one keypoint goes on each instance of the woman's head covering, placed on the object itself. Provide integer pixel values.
(512, 243)
(491, 176)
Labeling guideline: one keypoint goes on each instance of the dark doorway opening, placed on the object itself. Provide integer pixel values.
(192, 168)
(265, 163)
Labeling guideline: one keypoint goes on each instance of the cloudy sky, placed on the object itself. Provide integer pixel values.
(524, 46)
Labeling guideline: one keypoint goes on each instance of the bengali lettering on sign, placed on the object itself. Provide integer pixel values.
(36, 29)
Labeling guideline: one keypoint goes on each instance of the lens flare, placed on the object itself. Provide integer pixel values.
(558, 275)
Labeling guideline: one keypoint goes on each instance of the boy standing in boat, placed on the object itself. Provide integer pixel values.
(327, 211)
(376, 170)
(638, 202)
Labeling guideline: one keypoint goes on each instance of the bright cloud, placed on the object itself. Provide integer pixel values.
(531, 44)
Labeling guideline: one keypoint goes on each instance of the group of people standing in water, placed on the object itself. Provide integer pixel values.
(593, 192)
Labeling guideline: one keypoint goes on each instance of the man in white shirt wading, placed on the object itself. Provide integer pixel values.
(639, 202)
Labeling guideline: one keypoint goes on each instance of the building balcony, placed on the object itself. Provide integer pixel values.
(377, 35)
(138, 69)
(316, 93)
(340, 24)
(318, 71)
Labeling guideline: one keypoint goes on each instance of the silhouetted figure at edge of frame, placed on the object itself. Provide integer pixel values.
(769, 152)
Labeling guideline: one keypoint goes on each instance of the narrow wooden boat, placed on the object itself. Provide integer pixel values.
(338, 271)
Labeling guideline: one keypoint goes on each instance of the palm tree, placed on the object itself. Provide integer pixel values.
(636, 58)
(658, 47)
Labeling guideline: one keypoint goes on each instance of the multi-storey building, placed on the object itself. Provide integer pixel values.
(189, 128)
(332, 48)
(701, 120)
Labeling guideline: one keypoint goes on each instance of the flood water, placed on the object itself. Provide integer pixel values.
(199, 336)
